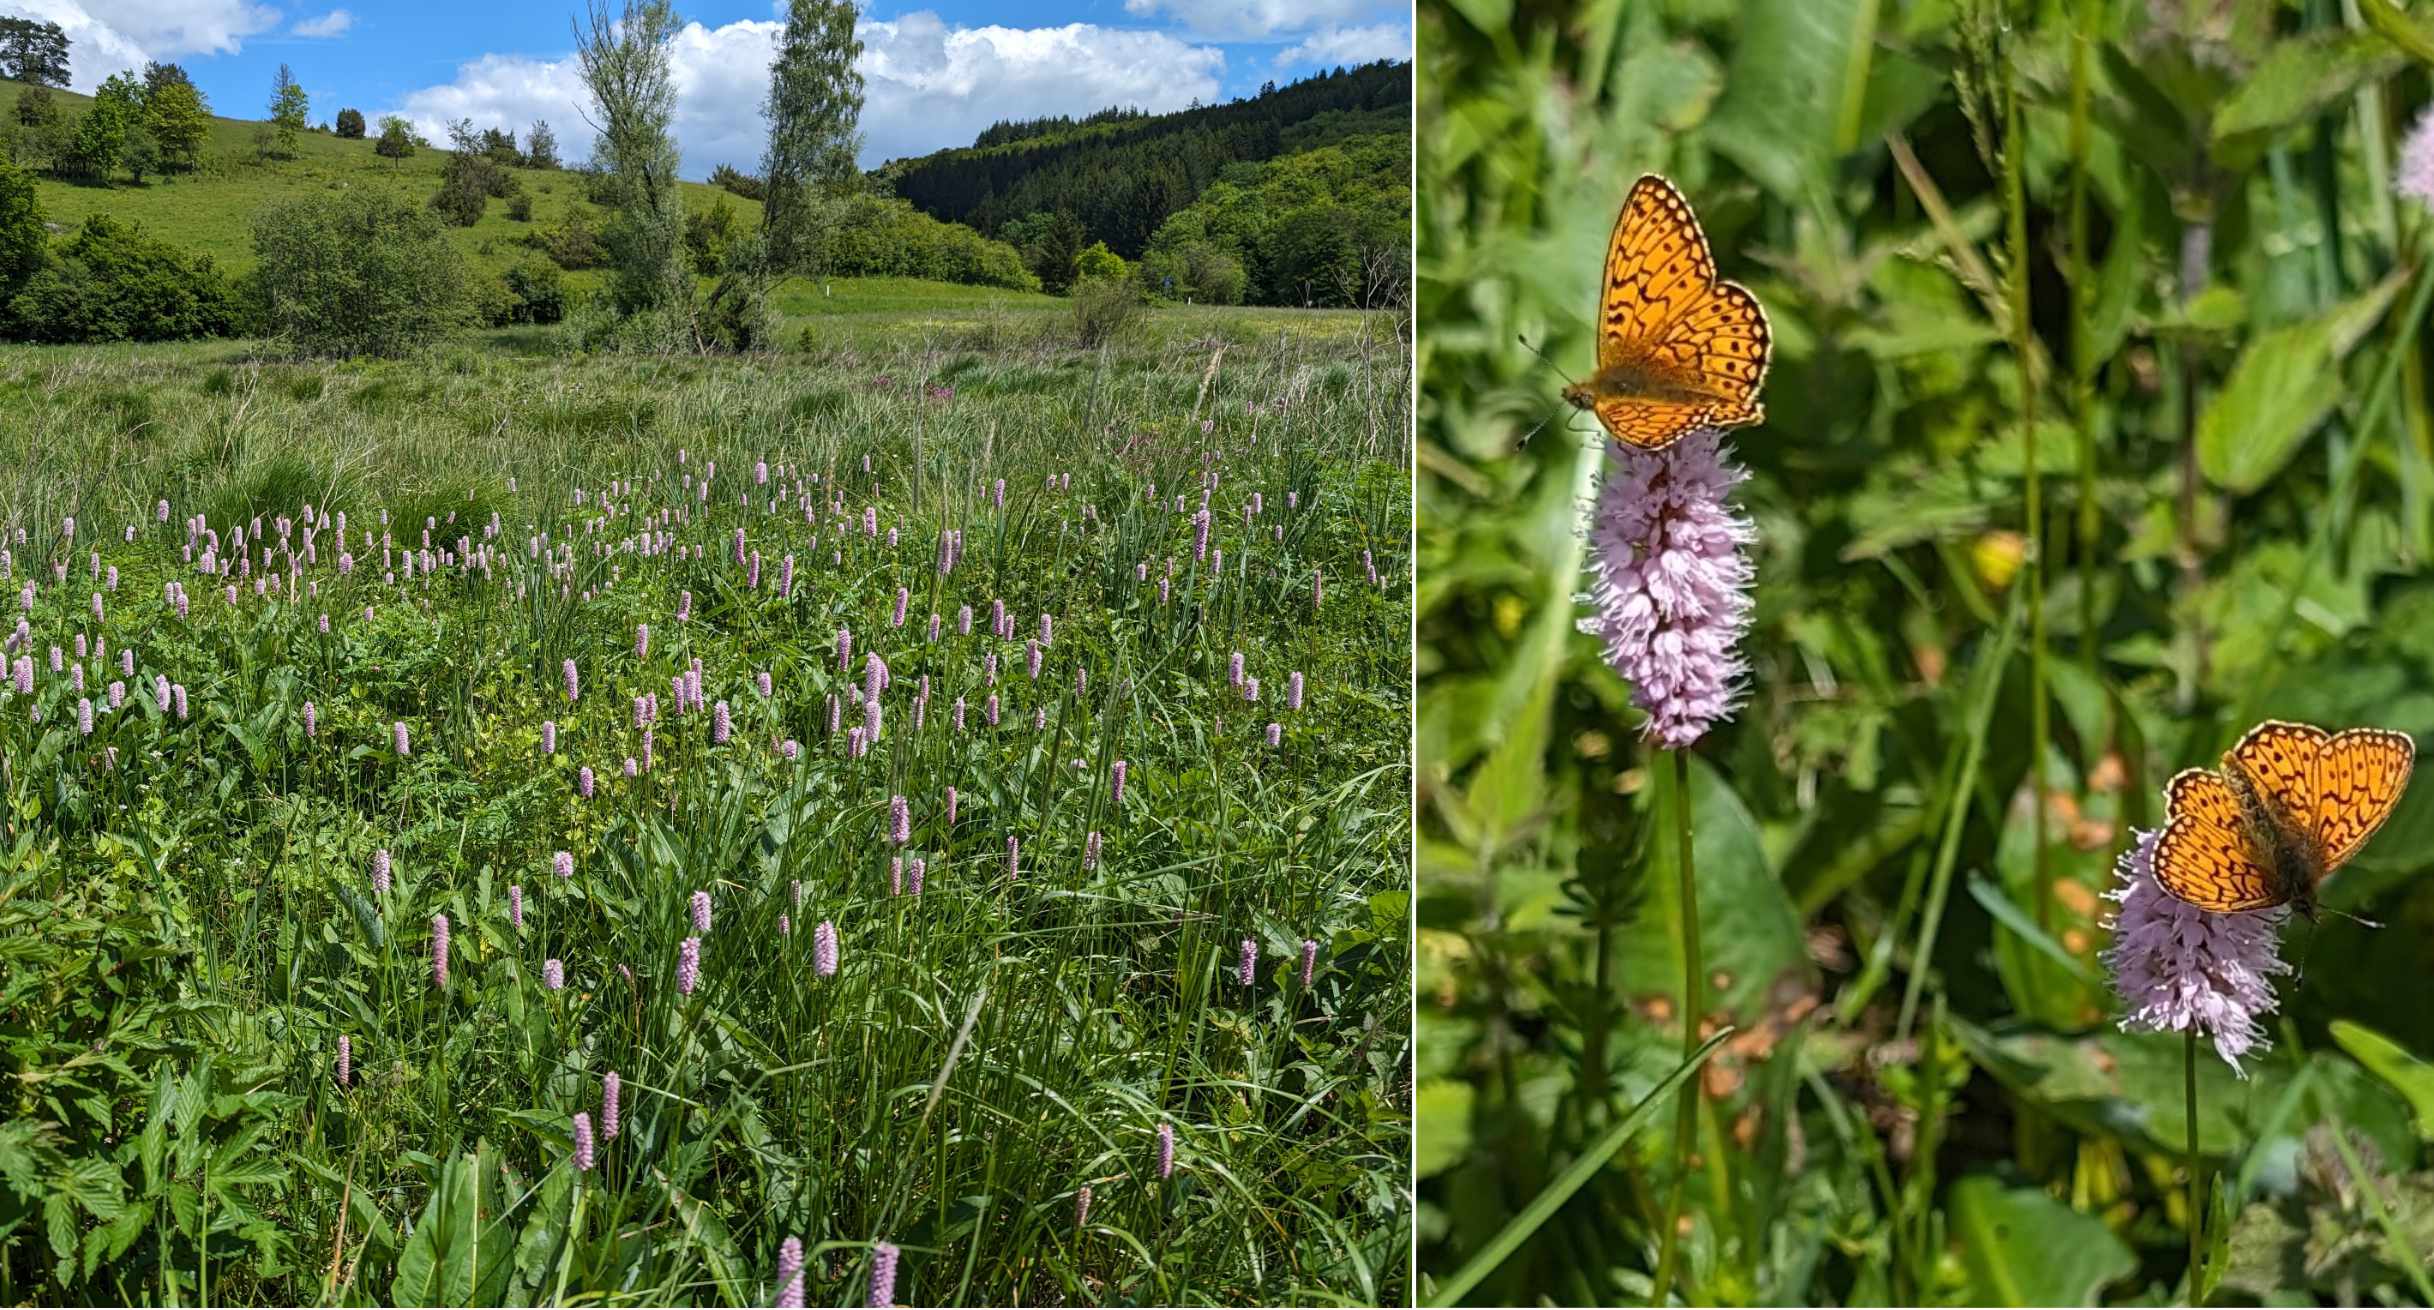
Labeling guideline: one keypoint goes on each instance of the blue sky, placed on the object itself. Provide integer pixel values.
(937, 71)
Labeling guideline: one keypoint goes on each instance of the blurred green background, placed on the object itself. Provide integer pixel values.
(1927, 1099)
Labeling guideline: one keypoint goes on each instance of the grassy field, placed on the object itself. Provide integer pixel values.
(1047, 961)
(2096, 434)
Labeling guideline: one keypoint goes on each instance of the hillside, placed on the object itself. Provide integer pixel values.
(1118, 177)
(211, 211)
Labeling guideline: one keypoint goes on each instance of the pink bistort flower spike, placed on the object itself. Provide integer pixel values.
(1669, 582)
(2179, 968)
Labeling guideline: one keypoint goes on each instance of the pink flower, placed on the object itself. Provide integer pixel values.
(900, 821)
(701, 913)
(346, 1057)
(2179, 968)
(563, 864)
(553, 974)
(515, 905)
(824, 949)
(1309, 961)
(609, 1087)
(1670, 582)
(1166, 1150)
(1115, 783)
(380, 871)
(790, 1275)
(883, 1257)
(439, 951)
(2414, 175)
(583, 1142)
(688, 965)
(1248, 973)
(397, 734)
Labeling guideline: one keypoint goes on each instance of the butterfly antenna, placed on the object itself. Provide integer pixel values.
(1543, 356)
(2359, 919)
(1524, 443)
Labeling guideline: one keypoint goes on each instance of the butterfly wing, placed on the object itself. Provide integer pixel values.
(1722, 344)
(1667, 321)
(1651, 424)
(2360, 775)
(2203, 857)
(2279, 760)
(1657, 267)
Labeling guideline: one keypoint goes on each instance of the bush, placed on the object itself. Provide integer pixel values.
(396, 139)
(1098, 263)
(735, 181)
(538, 291)
(357, 274)
(37, 107)
(113, 282)
(1105, 311)
(519, 206)
(350, 124)
(1197, 271)
(572, 244)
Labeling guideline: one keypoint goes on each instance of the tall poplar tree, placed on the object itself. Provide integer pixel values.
(814, 111)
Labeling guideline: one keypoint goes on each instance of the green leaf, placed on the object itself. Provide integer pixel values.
(2285, 382)
(1444, 1125)
(1808, 80)
(2393, 1063)
(2298, 79)
(2022, 1247)
(1749, 934)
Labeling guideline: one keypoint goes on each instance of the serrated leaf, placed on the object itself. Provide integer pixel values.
(2285, 382)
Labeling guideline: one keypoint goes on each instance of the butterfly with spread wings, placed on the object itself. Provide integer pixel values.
(2291, 805)
(1677, 350)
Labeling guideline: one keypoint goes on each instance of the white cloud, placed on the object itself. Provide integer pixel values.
(1347, 46)
(333, 23)
(928, 85)
(106, 36)
(1261, 20)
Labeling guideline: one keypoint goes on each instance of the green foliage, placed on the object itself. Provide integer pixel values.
(624, 60)
(1195, 270)
(709, 231)
(1324, 227)
(1097, 261)
(471, 176)
(24, 235)
(289, 109)
(2199, 321)
(114, 281)
(1121, 176)
(356, 274)
(33, 51)
(873, 236)
(350, 124)
(179, 122)
(734, 181)
(396, 138)
(814, 109)
(37, 107)
(540, 146)
(102, 136)
(537, 293)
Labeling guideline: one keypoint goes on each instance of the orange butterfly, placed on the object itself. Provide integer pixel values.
(2291, 805)
(1677, 350)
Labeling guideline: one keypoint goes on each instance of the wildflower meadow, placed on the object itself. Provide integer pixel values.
(1949, 842)
(923, 822)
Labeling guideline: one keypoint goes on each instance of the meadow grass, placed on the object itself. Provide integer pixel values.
(192, 924)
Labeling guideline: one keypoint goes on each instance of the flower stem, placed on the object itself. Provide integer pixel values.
(2197, 1214)
(1694, 1017)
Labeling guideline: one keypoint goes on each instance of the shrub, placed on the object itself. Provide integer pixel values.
(114, 282)
(1106, 311)
(1198, 271)
(572, 244)
(37, 107)
(350, 124)
(396, 139)
(735, 181)
(539, 293)
(354, 273)
(519, 206)
(1097, 262)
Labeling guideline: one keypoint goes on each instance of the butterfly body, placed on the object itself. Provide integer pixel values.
(1677, 349)
(2290, 805)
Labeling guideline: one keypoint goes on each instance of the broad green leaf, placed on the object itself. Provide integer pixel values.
(2299, 78)
(1749, 934)
(1807, 82)
(2284, 384)
(2393, 1063)
(2020, 1246)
